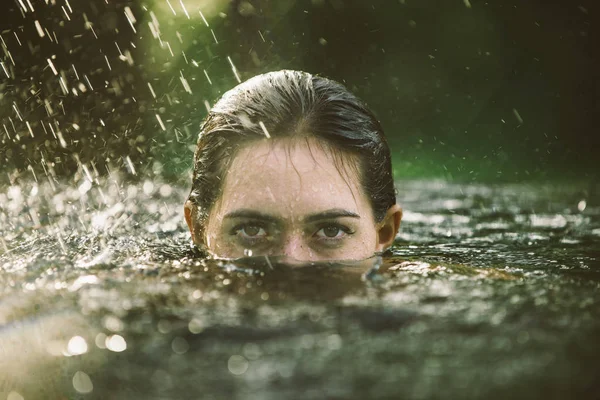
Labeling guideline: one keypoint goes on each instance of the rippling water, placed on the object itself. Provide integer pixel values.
(490, 292)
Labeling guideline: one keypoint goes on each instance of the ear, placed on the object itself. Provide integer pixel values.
(388, 228)
(190, 212)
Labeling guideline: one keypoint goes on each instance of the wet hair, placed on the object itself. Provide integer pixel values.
(290, 103)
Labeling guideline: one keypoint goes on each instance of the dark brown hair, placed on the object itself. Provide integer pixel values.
(285, 104)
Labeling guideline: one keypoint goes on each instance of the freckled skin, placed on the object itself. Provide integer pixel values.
(294, 185)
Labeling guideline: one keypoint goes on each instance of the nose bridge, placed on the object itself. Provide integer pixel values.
(295, 247)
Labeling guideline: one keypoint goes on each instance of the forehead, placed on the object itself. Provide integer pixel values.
(292, 177)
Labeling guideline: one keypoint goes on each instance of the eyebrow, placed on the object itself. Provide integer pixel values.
(328, 214)
(247, 213)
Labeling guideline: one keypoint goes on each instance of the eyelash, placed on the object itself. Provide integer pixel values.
(249, 240)
(342, 228)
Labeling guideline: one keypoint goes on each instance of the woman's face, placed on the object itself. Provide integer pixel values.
(287, 197)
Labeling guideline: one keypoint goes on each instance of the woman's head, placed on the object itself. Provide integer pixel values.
(292, 164)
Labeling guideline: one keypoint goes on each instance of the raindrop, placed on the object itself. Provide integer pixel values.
(252, 351)
(151, 90)
(180, 345)
(84, 187)
(130, 166)
(63, 85)
(100, 340)
(171, 7)
(66, 13)
(51, 64)
(164, 326)
(82, 382)
(195, 326)
(113, 323)
(517, 116)
(77, 345)
(17, 111)
(107, 63)
(18, 40)
(207, 77)
(39, 28)
(23, 5)
(165, 190)
(237, 77)
(162, 125)
(130, 18)
(237, 364)
(5, 70)
(116, 343)
(184, 9)
(264, 129)
(185, 83)
(204, 19)
(148, 187)
(88, 82)
(29, 128)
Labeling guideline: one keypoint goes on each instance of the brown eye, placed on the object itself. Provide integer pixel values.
(252, 230)
(331, 231)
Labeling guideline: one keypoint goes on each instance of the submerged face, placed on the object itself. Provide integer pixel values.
(287, 197)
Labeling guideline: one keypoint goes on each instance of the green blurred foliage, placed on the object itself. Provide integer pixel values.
(494, 91)
(485, 91)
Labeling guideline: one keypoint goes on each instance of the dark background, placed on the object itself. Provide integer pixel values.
(468, 91)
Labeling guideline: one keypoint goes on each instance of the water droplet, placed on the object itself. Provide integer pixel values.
(237, 364)
(77, 345)
(82, 382)
(180, 345)
(195, 326)
(116, 343)
(113, 323)
(100, 340)
(252, 351)
(165, 190)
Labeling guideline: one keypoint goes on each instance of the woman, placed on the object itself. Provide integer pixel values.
(290, 164)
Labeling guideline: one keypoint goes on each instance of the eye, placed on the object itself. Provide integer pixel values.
(250, 231)
(333, 232)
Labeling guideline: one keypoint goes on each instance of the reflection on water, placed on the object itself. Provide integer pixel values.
(490, 291)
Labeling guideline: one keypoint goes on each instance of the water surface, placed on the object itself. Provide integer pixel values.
(491, 291)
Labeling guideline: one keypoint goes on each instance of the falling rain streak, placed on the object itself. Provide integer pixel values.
(39, 28)
(160, 122)
(4, 69)
(234, 69)
(264, 129)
